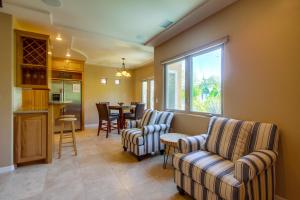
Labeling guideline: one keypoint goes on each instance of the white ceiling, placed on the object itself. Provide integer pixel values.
(103, 31)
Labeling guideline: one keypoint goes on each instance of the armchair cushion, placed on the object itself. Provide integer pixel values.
(251, 165)
(133, 135)
(211, 171)
(148, 118)
(193, 143)
(228, 137)
(164, 118)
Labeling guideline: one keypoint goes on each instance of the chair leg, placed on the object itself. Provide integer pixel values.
(180, 190)
(74, 138)
(108, 128)
(162, 152)
(60, 139)
(118, 124)
(140, 158)
(99, 126)
(124, 148)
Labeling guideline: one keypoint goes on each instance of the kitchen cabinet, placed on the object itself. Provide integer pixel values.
(61, 64)
(31, 60)
(30, 136)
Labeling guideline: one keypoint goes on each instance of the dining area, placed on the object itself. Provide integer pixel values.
(115, 116)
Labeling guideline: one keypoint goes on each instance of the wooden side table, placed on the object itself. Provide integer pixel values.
(170, 140)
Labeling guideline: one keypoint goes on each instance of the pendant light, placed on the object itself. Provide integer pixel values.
(123, 72)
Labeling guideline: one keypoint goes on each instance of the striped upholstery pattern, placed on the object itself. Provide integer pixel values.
(192, 143)
(251, 165)
(211, 171)
(203, 172)
(264, 136)
(150, 129)
(164, 118)
(136, 149)
(194, 189)
(133, 135)
(146, 139)
(262, 186)
(228, 137)
(133, 123)
(148, 118)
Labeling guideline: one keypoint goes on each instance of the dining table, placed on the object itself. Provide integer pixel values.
(121, 109)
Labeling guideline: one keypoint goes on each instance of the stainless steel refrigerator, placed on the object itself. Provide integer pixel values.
(70, 92)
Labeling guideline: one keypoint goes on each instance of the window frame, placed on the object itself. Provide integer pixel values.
(165, 84)
(189, 81)
(148, 81)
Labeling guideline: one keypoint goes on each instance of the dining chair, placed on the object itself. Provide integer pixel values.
(133, 103)
(104, 115)
(110, 112)
(138, 113)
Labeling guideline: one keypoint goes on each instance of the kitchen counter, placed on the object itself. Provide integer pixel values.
(59, 102)
(30, 111)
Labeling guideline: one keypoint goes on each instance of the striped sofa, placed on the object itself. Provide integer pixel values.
(143, 136)
(234, 160)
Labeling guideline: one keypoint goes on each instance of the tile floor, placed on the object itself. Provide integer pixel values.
(100, 171)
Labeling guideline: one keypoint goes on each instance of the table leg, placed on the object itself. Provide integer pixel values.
(166, 156)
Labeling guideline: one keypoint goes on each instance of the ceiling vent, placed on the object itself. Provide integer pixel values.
(166, 24)
(54, 3)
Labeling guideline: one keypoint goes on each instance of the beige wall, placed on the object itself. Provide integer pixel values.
(6, 90)
(261, 72)
(96, 92)
(140, 74)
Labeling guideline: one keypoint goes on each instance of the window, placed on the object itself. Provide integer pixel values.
(148, 93)
(194, 83)
(175, 85)
(206, 82)
(144, 92)
(151, 94)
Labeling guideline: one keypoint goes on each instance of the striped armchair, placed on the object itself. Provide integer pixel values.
(143, 136)
(233, 160)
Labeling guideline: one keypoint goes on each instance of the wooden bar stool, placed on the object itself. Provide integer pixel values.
(63, 135)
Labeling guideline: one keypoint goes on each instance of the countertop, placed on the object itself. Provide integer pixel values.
(30, 111)
(59, 102)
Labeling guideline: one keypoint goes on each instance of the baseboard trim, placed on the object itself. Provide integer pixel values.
(279, 198)
(7, 169)
(90, 125)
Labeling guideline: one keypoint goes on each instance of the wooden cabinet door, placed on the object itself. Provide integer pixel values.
(35, 99)
(31, 137)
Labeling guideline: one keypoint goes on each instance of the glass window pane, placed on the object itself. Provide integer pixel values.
(151, 94)
(144, 93)
(175, 85)
(206, 82)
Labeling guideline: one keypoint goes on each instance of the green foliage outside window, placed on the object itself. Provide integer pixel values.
(206, 96)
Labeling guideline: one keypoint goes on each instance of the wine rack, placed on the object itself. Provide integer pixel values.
(32, 59)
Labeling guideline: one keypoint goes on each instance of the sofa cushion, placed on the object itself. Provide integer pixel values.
(228, 137)
(133, 135)
(210, 170)
(148, 118)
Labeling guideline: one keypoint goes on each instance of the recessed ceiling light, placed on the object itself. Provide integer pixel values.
(54, 3)
(58, 37)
